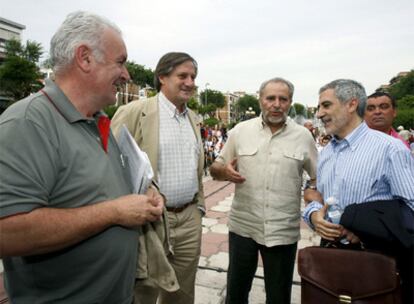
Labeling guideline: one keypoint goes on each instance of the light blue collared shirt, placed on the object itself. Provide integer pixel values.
(367, 165)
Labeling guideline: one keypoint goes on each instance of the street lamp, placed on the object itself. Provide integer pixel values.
(205, 93)
(250, 113)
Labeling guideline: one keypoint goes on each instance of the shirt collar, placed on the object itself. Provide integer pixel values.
(352, 138)
(60, 101)
(170, 107)
(262, 124)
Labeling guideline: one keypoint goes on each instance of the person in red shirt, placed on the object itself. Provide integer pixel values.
(380, 113)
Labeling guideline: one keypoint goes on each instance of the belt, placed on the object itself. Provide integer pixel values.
(180, 208)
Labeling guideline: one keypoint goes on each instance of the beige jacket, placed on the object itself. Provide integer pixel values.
(141, 117)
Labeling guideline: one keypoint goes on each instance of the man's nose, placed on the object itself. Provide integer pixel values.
(125, 74)
(189, 81)
(319, 113)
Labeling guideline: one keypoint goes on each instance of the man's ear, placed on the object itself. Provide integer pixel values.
(353, 105)
(161, 79)
(83, 58)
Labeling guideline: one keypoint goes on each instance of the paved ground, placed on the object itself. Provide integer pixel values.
(211, 276)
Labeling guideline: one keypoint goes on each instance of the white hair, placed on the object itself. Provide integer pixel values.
(78, 28)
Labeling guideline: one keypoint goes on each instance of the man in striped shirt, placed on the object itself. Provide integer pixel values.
(359, 164)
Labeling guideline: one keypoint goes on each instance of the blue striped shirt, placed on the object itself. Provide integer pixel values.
(367, 165)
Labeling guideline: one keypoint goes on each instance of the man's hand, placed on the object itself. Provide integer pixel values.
(325, 229)
(227, 172)
(134, 209)
(350, 236)
(152, 192)
(310, 195)
(232, 174)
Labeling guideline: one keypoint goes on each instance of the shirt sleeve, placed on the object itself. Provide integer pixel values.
(309, 209)
(27, 165)
(401, 177)
(312, 159)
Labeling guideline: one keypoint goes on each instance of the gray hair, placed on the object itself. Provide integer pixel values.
(276, 80)
(167, 64)
(78, 28)
(347, 89)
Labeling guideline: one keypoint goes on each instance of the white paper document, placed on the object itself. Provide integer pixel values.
(139, 165)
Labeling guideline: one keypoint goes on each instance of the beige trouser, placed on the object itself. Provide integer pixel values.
(185, 239)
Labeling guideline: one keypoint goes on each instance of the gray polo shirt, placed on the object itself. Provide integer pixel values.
(51, 156)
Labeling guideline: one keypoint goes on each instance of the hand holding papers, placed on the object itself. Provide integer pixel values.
(139, 165)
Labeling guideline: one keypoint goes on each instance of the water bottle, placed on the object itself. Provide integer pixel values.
(334, 214)
(334, 210)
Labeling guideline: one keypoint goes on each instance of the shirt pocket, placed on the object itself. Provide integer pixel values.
(292, 164)
(247, 160)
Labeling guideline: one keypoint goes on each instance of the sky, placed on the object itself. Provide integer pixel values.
(238, 44)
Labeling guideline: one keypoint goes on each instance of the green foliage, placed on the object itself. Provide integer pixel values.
(207, 109)
(404, 118)
(211, 122)
(19, 74)
(402, 89)
(139, 74)
(405, 112)
(193, 104)
(292, 112)
(300, 109)
(152, 93)
(110, 110)
(407, 102)
(246, 102)
(403, 86)
(213, 97)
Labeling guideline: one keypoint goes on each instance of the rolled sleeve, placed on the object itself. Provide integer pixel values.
(310, 208)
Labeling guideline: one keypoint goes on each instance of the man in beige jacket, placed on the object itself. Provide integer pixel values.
(168, 132)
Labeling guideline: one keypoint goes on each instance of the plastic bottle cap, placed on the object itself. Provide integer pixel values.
(330, 200)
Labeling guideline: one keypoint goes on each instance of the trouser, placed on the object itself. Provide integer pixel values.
(185, 239)
(278, 264)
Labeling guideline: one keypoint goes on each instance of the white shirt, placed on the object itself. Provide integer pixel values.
(178, 155)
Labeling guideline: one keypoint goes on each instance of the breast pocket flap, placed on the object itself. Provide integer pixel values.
(293, 155)
(245, 151)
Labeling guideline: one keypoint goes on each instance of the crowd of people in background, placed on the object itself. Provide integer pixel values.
(213, 142)
(215, 137)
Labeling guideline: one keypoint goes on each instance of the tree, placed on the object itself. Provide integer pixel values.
(246, 102)
(407, 102)
(193, 104)
(211, 100)
(403, 86)
(213, 97)
(139, 74)
(300, 109)
(19, 74)
(405, 112)
(209, 109)
(402, 89)
(211, 122)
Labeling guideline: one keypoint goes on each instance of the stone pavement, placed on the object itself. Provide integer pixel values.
(211, 275)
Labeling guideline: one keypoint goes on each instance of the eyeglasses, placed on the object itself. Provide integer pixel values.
(382, 106)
